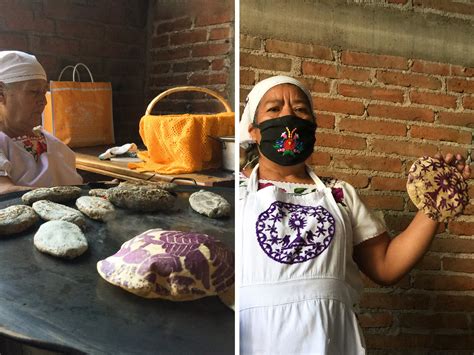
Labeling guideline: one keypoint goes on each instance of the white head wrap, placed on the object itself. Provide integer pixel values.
(19, 66)
(254, 97)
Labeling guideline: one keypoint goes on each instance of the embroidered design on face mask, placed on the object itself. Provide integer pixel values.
(285, 236)
(289, 143)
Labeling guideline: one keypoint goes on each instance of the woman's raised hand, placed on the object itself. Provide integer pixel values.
(458, 161)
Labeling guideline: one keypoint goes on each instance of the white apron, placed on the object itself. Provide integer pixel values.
(56, 166)
(293, 295)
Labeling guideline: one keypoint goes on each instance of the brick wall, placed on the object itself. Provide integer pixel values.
(190, 46)
(376, 114)
(450, 8)
(107, 35)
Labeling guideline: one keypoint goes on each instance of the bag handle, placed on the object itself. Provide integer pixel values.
(76, 71)
(188, 88)
(64, 69)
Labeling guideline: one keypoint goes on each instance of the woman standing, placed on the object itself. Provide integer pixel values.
(305, 239)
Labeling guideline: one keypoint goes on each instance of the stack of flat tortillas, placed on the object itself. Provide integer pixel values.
(437, 189)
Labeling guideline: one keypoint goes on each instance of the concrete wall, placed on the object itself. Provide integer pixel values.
(391, 81)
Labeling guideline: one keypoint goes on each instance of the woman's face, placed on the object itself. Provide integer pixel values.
(24, 103)
(281, 100)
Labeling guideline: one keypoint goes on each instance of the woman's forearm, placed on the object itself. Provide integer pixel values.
(406, 249)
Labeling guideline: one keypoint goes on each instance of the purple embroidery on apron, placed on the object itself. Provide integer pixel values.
(302, 243)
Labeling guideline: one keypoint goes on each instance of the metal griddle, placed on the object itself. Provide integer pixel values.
(66, 306)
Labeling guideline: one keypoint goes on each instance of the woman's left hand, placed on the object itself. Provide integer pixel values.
(458, 161)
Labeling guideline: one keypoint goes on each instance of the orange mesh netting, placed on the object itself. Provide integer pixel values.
(180, 144)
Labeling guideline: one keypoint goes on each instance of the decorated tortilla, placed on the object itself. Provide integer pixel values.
(174, 265)
(437, 189)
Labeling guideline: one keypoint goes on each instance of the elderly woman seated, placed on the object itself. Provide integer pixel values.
(29, 156)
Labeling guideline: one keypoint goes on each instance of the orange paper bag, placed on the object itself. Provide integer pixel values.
(80, 113)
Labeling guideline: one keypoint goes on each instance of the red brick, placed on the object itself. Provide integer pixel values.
(454, 342)
(10, 41)
(315, 85)
(401, 112)
(447, 6)
(457, 119)
(457, 70)
(247, 77)
(403, 79)
(373, 127)
(461, 85)
(441, 134)
(250, 42)
(215, 18)
(320, 158)
(368, 163)
(167, 80)
(174, 25)
(471, 191)
(320, 69)
(398, 223)
(79, 29)
(125, 35)
(458, 264)
(461, 228)
(208, 79)
(454, 303)
(219, 33)
(188, 37)
(448, 101)
(429, 262)
(191, 66)
(160, 41)
(353, 73)
(388, 184)
(422, 66)
(452, 245)
(218, 64)
(58, 45)
(333, 71)
(375, 320)
(399, 341)
(261, 62)
(443, 282)
(384, 202)
(434, 321)
(381, 300)
(358, 181)
(340, 141)
(404, 148)
(212, 49)
(325, 120)
(468, 102)
(372, 93)
(299, 49)
(171, 54)
(372, 60)
(337, 105)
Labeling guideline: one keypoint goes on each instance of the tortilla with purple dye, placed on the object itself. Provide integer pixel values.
(174, 265)
(437, 189)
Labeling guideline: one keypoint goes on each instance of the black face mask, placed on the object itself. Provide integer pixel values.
(287, 140)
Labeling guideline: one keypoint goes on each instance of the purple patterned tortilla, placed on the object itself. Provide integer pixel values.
(437, 189)
(174, 265)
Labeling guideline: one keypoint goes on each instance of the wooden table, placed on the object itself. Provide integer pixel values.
(87, 159)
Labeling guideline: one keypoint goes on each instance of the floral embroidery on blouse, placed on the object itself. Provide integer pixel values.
(35, 145)
(337, 192)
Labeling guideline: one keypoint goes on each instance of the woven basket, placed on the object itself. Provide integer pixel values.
(178, 144)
